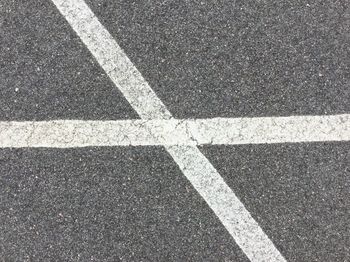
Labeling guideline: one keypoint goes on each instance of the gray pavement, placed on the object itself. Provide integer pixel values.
(47, 73)
(299, 194)
(203, 60)
(237, 58)
(105, 204)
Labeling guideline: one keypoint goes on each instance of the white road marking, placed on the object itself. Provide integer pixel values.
(190, 132)
(225, 204)
(113, 59)
(261, 130)
(198, 170)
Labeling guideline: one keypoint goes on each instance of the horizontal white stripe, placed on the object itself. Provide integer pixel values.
(246, 232)
(271, 129)
(78, 133)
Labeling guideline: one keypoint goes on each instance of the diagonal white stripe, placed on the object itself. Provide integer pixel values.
(246, 232)
(229, 131)
(113, 60)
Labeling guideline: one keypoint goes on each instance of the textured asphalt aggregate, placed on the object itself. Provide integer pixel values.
(237, 58)
(203, 59)
(298, 193)
(105, 204)
(47, 73)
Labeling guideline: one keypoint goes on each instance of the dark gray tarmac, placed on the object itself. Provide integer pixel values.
(104, 204)
(298, 193)
(46, 73)
(223, 58)
(237, 58)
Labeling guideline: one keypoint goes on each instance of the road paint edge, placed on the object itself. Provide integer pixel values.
(141, 97)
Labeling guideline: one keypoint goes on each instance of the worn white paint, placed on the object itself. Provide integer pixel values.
(191, 132)
(112, 59)
(243, 228)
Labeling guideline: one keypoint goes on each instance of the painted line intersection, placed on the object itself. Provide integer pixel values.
(191, 132)
(179, 137)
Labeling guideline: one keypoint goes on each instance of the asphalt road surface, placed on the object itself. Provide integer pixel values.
(286, 200)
